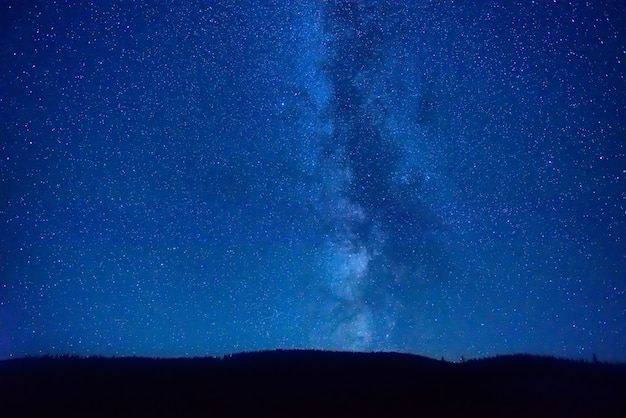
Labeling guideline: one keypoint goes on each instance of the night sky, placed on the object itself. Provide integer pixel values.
(203, 178)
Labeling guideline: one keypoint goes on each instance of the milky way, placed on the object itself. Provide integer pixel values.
(202, 179)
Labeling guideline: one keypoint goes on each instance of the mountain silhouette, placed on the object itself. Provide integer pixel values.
(308, 383)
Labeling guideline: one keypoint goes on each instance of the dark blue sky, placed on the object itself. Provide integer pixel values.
(212, 177)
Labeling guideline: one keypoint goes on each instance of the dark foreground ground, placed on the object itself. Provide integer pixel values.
(311, 383)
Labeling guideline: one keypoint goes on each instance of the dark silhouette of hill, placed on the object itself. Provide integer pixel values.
(303, 383)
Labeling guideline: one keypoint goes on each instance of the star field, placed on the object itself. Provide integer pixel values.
(207, 178)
